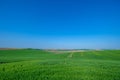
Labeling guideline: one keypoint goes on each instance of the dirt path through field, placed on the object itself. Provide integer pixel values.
(70, 55)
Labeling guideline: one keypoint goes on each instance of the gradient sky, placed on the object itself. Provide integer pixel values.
(93, 24)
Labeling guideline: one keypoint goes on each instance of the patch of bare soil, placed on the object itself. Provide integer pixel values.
(64, 51)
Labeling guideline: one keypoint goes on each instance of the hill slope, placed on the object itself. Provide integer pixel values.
(43, 65)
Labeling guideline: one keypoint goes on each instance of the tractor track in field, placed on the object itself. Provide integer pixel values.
(70, 55)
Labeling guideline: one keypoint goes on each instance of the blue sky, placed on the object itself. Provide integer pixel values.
(93, 24)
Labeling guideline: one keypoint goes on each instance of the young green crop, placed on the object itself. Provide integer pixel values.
(43, 65)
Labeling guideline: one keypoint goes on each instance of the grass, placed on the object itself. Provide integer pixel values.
(43, 65)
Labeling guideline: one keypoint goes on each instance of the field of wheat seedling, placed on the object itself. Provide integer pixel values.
(33, 64)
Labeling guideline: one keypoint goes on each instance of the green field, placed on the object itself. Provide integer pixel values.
(44, 65)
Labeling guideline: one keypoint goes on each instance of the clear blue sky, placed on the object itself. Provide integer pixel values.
(93, 24)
